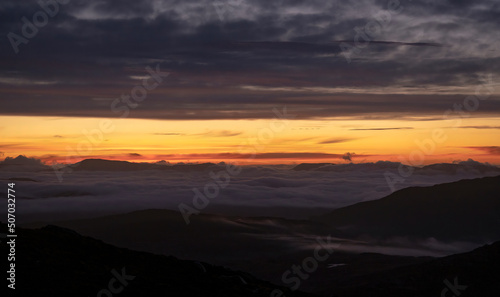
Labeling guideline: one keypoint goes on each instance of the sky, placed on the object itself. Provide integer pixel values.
(251, 82)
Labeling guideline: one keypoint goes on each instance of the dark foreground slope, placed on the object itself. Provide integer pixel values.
(53, 261)
(467, 210)
(474, 274)
(265, 247)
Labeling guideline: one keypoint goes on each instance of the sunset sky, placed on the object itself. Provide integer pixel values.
(349, 80)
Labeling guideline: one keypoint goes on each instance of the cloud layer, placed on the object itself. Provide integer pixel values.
(237, 59)
(256, 191)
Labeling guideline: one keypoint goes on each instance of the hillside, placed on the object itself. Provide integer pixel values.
(54, 261)
(467, 210)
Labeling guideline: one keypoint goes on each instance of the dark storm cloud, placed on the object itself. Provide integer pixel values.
(221, 56)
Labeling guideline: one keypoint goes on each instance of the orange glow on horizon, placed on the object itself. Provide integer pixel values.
(70, 140)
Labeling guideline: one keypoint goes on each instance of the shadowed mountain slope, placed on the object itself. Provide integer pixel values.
(472, 274)
(54, 261)
(467, 210)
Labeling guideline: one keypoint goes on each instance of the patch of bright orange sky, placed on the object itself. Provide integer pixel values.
(69, 140)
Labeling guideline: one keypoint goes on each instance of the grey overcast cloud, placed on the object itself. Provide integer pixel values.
(234, 59)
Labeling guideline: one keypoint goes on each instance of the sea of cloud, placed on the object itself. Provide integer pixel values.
(41, 196)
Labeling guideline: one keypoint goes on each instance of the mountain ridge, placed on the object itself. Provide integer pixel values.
(464, 210)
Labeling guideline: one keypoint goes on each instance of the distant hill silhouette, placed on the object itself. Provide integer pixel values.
(112, 165)
(310, 166)
(448, 168)
(467, 210)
